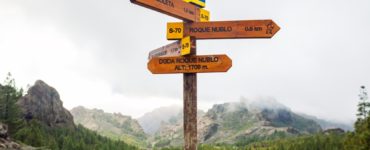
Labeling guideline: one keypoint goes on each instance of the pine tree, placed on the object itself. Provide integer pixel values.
(364, 104)
(37, 134)
(360, 139)
(9, 111)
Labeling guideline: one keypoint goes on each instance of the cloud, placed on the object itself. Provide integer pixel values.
(315, 63)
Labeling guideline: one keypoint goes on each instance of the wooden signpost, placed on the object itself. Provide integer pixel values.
(176, 8)
(180, 56)
(223, 29)
(191, 64)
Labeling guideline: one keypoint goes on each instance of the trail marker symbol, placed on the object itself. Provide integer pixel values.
(185, 46)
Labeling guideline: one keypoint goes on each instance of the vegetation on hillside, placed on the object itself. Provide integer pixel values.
(112, 125)
(34, 133)
(39, 135)
(360, 138)
(10, 114)
(329, 140)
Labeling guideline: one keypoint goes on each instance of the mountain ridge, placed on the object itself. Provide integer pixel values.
(227, 123)
(234, 122)
(40, 120)
(327, 124)
(112, 125)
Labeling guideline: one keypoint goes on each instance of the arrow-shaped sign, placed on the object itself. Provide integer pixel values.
(191, 64)
(176, 8)
(173, 49)
(178, 48)
(223, 29)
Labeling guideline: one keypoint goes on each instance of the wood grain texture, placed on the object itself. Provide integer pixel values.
(231, 29)
(190, 106)
(175, 8)
(191, 64)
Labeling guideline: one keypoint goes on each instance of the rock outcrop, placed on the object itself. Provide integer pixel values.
(5, 141)
(334, 131)
(235, 122)
(43, 103)
(231, 122)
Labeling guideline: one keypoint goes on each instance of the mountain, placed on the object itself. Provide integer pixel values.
(325, 124)
(240, 122)
(237, 122)
(46, 124)
(42, 102)
(116, 125)
(170, 131)
(151, 121)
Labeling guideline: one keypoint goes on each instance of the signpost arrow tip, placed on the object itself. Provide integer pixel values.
(274, 28)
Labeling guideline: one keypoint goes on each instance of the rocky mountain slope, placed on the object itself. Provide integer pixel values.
(239, 122)
(48, 125)
(326, 125)
(5, 141)
(116, 125)
(170, 131)
(42, 102)
(230, 123)
(151, 121)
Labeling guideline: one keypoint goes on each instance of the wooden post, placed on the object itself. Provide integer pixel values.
(195, 24)
(190, 106)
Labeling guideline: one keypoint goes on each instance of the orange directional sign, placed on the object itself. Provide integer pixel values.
(191, 64)
(176, 8)
(223, 29)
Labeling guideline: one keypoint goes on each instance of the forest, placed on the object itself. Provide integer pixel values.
(334, 139)
(34, 133)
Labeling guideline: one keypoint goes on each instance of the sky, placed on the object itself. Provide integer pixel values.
(94, 53)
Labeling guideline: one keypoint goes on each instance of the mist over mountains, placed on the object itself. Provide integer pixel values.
(227, 123)
(239, 121)
(151, 121)
(231, 123)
